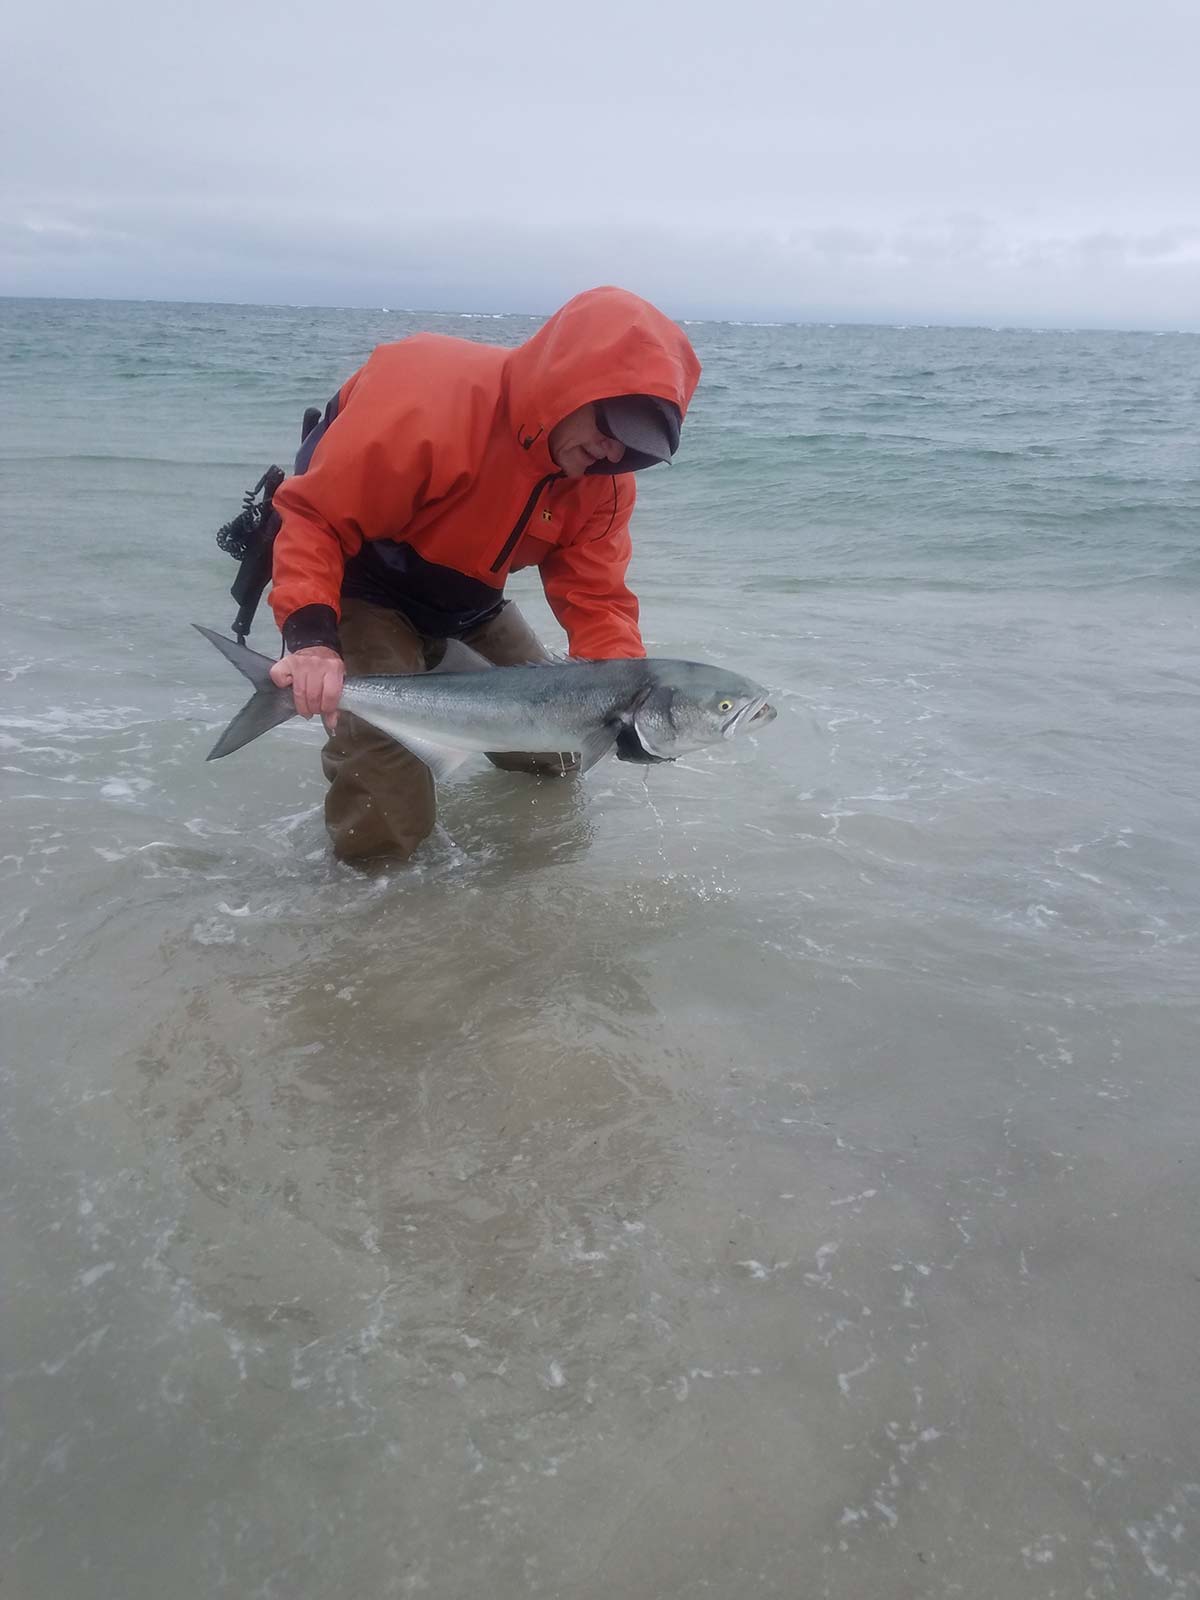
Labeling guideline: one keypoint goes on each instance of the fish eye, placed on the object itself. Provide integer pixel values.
(725, 705)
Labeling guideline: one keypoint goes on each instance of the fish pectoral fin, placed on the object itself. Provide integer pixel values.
(631, 748)
(442, 760)
(596, 746)
(459, 657)
(653, 706)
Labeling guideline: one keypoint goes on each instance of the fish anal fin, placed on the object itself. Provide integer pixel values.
(442, 760)
(459, 657)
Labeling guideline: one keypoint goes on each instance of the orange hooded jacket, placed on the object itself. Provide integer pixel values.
(431, 480)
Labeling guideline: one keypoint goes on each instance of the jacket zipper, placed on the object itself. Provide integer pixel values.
(510, 543)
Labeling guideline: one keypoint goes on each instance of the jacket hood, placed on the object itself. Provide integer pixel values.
(602, 344)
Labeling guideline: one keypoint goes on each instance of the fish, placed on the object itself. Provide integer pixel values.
(645, 710)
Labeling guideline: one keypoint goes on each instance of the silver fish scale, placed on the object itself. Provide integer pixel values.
(536, 707)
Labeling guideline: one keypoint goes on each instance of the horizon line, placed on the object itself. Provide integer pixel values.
(1000, 326)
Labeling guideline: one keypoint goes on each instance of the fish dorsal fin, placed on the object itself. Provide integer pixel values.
(459, 657)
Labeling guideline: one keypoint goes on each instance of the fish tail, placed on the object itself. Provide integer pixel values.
(266, 708)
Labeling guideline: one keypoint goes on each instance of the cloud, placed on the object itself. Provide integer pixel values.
(930, 162)
(960, 269)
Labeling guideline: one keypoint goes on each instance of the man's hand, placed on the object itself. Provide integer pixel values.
(316, 675)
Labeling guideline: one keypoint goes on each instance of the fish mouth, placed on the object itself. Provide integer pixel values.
(755, 713)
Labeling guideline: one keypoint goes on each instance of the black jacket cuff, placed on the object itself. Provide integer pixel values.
(311, 625)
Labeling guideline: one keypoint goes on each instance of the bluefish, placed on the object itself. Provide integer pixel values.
(465, 705)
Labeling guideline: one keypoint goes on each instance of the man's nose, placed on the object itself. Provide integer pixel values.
(613, 449)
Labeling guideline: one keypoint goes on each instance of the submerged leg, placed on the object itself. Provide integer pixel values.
(381, 798)
(508, 641)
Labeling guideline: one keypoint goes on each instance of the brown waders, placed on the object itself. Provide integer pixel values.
(381, 797)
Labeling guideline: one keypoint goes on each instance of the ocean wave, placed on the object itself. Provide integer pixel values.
(995, 580)
(202, 464)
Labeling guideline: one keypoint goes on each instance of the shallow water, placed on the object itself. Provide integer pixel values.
(774, 1174)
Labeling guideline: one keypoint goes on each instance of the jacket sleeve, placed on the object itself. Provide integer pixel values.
(366, 479)
(585, 584)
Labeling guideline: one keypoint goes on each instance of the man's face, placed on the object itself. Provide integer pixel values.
(576, 442)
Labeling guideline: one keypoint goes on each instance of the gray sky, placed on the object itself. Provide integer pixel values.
(926, 160)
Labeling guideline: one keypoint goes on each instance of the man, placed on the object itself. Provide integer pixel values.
(439, 468)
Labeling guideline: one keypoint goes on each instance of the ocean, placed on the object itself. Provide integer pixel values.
(773, 1174)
